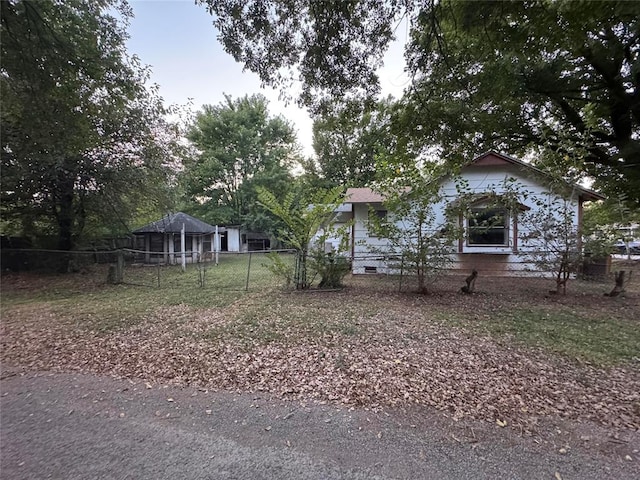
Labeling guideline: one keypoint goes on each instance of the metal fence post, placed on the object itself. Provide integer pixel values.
(120, 267)
(401, 272)
(246, 288)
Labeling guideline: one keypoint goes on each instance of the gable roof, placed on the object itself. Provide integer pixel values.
(362, 195)
(492, 158)
(487, 159)
(173, 223)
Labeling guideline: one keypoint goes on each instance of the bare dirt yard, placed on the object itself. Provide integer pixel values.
(510, 355)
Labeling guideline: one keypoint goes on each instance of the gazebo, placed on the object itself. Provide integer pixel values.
(175, 236)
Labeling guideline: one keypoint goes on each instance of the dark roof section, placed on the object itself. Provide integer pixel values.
(173, 223)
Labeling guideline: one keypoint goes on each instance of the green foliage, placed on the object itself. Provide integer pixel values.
(347, 140)
(609, 213)
(331, 267)
(516, 76)
(280, 268)
(336, 47)
(416, 237)
(84, 142)
(495, 75)
(241, 148)
(607, 222)
(303, 216)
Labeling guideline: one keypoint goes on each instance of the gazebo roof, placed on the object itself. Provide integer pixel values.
(173, 223)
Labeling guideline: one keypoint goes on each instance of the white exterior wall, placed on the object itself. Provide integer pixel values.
(368, 250)
(512, 258)
(233, 239)
(490, 259)
(334, 238)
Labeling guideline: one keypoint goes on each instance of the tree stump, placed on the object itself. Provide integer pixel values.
(620, 282)
(470, 283)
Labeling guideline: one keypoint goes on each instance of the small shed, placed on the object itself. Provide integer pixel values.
(161, 241)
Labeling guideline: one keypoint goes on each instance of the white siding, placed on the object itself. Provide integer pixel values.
(233, 239)
(489, 259)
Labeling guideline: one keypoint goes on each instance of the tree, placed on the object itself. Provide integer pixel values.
(547, 77)
(333, 47)
(348, 138)
(240, 148)
(80, 131)
(419, 239)
(553, 241)
(303, 214)
(608, 222)
(500, 75)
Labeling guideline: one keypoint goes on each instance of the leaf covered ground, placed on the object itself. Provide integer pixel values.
(510, 353)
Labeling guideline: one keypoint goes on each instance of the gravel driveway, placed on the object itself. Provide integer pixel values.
(66, 426)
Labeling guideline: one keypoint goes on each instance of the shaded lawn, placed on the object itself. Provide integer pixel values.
(509, 351)
(583, 325)
(86, 300)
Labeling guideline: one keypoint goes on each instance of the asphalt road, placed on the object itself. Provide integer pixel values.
(65, 426)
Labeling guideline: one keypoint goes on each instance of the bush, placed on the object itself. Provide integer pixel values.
(332, 268)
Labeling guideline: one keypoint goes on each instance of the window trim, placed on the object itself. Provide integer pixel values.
(504, 228)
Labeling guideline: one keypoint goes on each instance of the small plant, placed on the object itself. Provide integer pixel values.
(280, 268)
(331, 267)
(303, 216)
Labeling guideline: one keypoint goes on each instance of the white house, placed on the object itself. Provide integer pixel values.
(497, 249)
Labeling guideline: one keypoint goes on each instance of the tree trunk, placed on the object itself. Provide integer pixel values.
(65, 231)
(619, 287)
(301, 270)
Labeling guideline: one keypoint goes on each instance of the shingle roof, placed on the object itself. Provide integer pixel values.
(362, 195)
(173, 224)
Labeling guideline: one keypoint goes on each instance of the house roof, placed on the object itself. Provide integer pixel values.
(492, 158)
(362, 195)
(174, 222)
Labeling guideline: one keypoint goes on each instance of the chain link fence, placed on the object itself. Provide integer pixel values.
(222, 270)
(250, 271)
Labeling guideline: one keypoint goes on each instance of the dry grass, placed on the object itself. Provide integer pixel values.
(510, 351)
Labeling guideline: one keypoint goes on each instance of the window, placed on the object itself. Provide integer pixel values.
(377, 218)
(380, 215)
(177, 243)
(488, 226)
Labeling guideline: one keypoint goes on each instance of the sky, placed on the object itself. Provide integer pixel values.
(177, 39)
